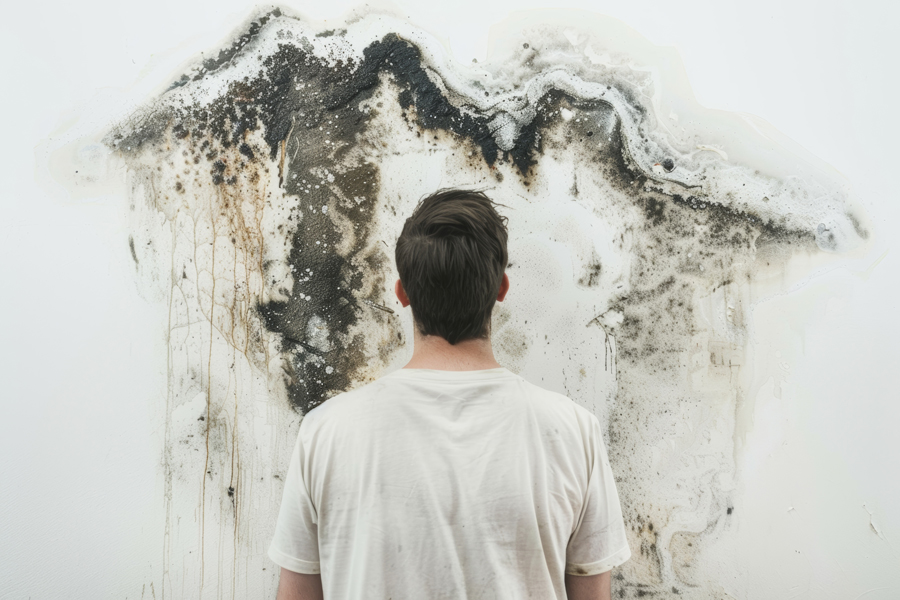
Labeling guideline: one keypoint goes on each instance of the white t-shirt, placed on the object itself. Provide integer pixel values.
(449, 484)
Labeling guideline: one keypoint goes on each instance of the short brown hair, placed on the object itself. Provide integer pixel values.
(451, 256)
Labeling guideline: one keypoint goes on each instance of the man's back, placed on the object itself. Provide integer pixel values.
(449, 484)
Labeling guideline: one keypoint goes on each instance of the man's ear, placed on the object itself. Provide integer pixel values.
(401, 294)
(504, 287)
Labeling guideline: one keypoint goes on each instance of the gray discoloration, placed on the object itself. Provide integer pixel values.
(133, 253)
(274, 179)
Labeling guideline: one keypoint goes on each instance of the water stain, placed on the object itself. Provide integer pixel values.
(268, 185)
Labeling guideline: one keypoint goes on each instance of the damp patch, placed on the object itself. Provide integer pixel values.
(267, 187)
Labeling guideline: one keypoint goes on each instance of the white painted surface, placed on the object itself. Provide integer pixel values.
(84, 358)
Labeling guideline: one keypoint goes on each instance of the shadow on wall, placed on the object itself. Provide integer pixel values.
(267, 187)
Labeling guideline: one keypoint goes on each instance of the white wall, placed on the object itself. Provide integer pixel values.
(84, 355)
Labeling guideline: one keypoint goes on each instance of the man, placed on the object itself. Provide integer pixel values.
(451, 477)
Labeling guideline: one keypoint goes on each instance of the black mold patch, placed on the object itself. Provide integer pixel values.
(307, 112)
(323, 305)
(273, 100)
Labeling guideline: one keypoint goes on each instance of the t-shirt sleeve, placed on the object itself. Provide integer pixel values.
(599, 542)
(295, 545)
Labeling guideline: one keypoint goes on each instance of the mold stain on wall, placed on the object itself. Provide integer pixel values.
(268, 184)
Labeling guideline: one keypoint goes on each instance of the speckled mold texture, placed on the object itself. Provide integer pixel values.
(268, 185)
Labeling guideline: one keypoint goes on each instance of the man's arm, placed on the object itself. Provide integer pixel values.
(587, 587)
(299, 586)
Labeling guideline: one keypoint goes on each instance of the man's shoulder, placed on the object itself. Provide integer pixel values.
(559, 403)
(348, 404)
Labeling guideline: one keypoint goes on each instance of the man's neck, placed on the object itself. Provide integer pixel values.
(434, 352)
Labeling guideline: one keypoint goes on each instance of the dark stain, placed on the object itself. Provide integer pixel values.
(861, 231)
(297, 102)
(590, 277)
(246, 150)
(133, 253)
(654, 210)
